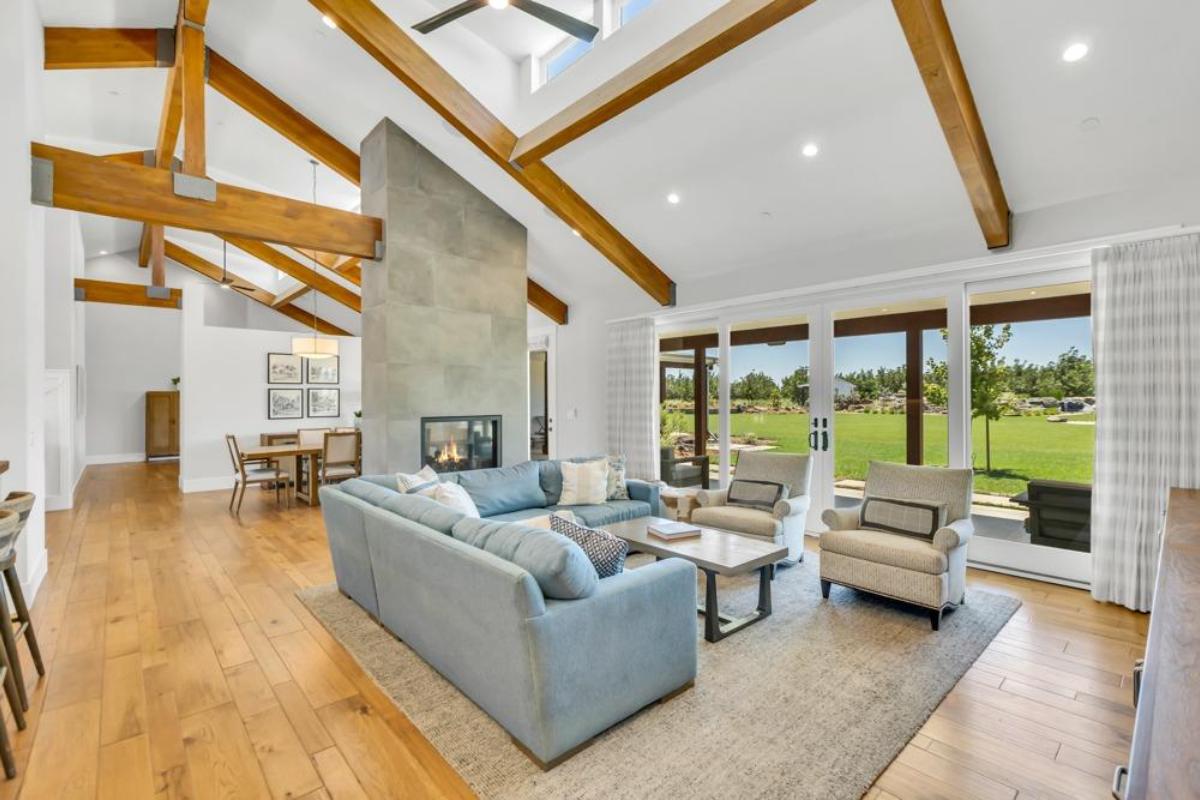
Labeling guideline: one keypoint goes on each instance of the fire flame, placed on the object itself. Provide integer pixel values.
(449, 454)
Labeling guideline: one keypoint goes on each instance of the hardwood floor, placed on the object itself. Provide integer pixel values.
(181, 665)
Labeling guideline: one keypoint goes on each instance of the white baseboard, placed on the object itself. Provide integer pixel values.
(190, 485)
(115, 458)
(30, 587)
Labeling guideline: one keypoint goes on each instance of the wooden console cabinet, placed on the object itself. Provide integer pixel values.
(162, 424)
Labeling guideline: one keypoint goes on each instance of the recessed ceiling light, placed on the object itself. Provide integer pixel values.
(498, 3)
(576, 231)
(673, 198)
(1089, 124)
(329, 21)
(1033, 291)
(810, 150)
(103, 252)
(1075, 52)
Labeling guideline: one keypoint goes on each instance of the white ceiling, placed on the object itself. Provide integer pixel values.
(727, 138)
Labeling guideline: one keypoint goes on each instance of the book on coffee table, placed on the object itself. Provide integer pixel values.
(670, 531)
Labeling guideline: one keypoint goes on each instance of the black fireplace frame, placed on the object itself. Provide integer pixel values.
(498, 427)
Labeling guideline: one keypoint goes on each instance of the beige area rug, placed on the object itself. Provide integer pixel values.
(813, 702)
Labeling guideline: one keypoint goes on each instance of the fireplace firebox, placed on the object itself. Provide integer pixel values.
(453, 444)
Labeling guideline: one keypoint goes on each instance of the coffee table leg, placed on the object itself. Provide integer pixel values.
(717, 626)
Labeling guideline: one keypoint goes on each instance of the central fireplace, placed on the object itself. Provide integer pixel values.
(452, 444)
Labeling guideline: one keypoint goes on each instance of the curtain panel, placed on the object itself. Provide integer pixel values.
(632, 401)
(1146, 332)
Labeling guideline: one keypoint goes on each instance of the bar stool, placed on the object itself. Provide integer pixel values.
(22, 504)
(10, 523)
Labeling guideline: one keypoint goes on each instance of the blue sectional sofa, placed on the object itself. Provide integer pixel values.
(512, 615)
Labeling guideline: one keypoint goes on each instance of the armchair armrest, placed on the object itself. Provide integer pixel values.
(841, 519)
(712, 497)
(792, 507)
(954, 535)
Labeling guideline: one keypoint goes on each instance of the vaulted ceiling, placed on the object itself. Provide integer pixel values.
(727, 138)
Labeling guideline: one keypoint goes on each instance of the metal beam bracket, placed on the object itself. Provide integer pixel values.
(42, 182)
(380, 249)
(195, 187)
(158, 292)
(80, 294)
(165, 50)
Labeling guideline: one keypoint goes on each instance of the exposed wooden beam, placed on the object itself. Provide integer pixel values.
(545, 302)
(97, 48)
(194, 10)
(395, 50)
(252, 96)
(91, 290)
(348, 268)
(158, 258)
(191, 51)
(87, 183)
(932, 44)
(730, 25)
(131, 157)
(291, 295)
(351, 268)
(289, 266)
(187, 258)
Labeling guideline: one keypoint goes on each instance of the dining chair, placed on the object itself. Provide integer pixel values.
(339, 459)
(245, 473)
(312, 437)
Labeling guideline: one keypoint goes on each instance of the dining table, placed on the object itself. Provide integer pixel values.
(305, 482)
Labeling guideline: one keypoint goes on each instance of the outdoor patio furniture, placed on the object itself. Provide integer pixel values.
(1060, 514)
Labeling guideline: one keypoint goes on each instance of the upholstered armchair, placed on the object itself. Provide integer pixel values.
(926, 568)
(783, 524)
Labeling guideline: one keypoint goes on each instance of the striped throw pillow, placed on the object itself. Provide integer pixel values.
(584, 484)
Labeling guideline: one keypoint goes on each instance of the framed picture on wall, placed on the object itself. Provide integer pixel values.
(322, 370)
(284, 368)
(324, 402)
(285, 403)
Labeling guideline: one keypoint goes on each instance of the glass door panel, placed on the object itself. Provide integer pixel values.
(689, 379)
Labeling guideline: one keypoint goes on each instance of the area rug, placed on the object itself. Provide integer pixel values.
(813, 702)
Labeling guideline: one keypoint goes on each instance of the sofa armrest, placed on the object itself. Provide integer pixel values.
(646, 492)
(637, 631)
(841, 519)
(954, 535)
(792, 507)
(712, 497)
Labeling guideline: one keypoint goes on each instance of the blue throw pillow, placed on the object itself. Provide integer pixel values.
(504, 489)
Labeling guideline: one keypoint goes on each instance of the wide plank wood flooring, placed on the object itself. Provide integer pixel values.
(181, 665)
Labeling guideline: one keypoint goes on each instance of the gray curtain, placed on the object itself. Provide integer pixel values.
(632, 401)
(1146, 329)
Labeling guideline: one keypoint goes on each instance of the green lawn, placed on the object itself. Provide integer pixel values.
(1022, 447)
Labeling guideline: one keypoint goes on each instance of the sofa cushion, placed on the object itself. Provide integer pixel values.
(605, 551)
(584, 484)
(905, 552)
(608, 513)
(560, 567)
(523, 514)
(423, 510)
(550, 476)
(753, 521)
(504, 489)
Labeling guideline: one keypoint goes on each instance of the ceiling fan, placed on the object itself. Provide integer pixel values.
(227, 281)
(564, 22)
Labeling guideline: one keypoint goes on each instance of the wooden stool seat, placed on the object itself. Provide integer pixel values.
(16, 624)
(11, 524)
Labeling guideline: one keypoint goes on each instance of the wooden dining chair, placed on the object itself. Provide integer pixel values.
(247, 472)
(312, 437)
(339, 459)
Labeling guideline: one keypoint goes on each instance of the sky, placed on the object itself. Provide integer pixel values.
(1037, 342)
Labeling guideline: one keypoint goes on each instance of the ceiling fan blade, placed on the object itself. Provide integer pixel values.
(564, 22)
(449, 15)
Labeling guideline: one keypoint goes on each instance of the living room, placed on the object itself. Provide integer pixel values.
(452, 399)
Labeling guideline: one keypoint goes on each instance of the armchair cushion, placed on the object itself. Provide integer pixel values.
(752, 521)
(878, 547)
(712, 497)
(755, 494)
(906, 517)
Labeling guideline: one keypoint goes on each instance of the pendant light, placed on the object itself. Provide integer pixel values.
(314, 346)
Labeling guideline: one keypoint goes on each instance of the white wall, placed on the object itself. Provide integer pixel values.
(22, 301)
(65, 425)
(225, 391)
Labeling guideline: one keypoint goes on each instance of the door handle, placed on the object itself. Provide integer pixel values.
(812, 436)
(824, 434)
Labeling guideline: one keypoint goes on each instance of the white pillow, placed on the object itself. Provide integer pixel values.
(452, 496)
(584, 484)
(407, 483)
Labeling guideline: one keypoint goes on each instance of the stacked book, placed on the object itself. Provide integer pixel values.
(671, 531)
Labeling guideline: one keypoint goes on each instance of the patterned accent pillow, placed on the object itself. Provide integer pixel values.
(417, 480)
(917, 518)
(452, 496)
(584, 484)
(617, 490)
(755, 494)
(606, 552)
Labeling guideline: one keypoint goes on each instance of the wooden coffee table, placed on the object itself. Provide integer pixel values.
(714, 552)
